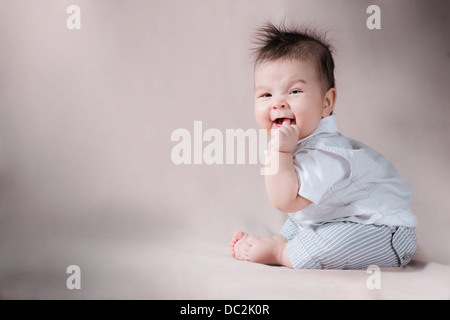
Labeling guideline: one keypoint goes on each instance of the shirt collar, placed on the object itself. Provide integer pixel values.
(326, 125)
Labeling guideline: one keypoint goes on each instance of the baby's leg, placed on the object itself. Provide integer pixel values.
(265, 250)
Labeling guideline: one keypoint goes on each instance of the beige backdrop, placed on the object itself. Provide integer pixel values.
(86, 118)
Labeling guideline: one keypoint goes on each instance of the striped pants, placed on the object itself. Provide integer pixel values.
(348, 245)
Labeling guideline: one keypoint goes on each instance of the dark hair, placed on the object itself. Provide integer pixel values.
(302, 44)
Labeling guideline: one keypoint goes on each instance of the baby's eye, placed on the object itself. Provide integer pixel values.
(296, 91)
(266, 95)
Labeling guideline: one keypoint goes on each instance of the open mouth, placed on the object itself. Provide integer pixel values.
(278, 122)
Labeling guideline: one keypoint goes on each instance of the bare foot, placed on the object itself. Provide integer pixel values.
(266, 250)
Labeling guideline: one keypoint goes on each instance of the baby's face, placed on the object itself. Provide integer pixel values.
(289, 92)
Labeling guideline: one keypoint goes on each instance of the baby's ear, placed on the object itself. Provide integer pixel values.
(328, 102)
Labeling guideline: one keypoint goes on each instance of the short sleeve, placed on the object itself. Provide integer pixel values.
(318, 171)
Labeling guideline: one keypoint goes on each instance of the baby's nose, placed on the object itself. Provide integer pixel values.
(279, 106)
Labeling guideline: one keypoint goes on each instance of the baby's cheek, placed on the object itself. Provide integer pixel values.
(263, 123)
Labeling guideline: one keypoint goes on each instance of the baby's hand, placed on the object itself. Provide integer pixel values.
(285, 138)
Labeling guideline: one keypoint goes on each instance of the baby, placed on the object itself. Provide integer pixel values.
(348, 208)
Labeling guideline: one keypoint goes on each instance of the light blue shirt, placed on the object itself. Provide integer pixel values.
(348, 181)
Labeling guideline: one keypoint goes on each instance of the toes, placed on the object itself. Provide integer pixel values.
(240, 249)
(237, 236)
(238, 245)
(232, 251)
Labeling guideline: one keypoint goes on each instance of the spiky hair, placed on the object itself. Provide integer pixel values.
(304, 44)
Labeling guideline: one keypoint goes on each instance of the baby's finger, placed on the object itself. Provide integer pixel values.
(289, 130)
(296, 129)
(283, 130)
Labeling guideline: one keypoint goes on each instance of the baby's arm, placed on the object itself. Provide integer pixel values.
(282, 187)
